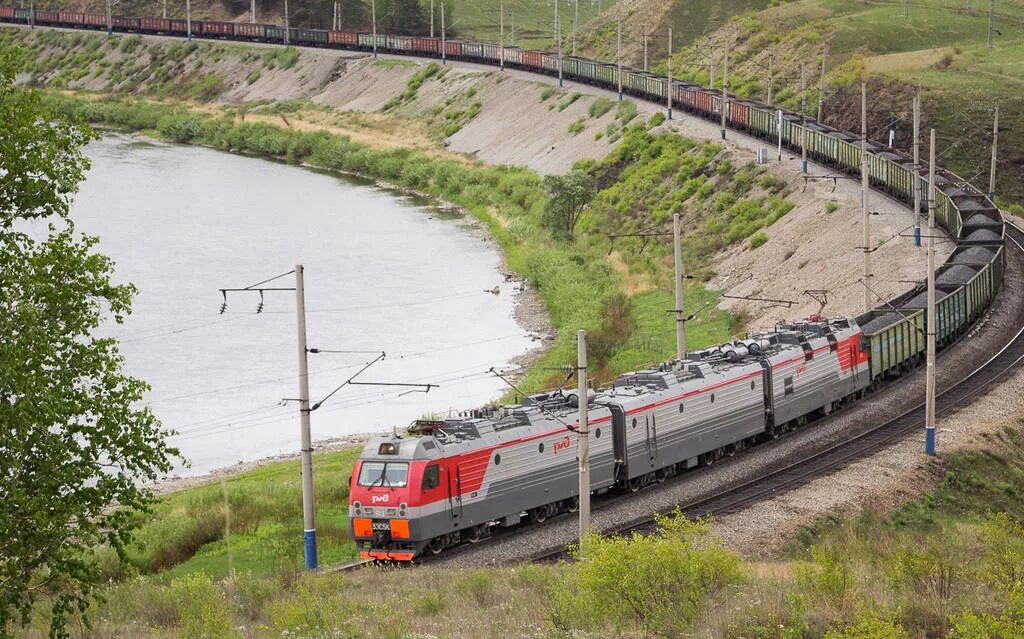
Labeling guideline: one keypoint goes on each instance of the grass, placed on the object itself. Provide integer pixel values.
(941, 565)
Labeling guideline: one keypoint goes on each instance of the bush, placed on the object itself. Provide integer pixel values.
(658, 581)
(577, 126)
(656, 120)
(600, 106)
(546, 92)
(758, 240)
(204, 611)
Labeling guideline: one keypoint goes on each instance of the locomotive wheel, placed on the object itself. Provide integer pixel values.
(573, 505)
(539, 514)
(476, 533)
(436, 545)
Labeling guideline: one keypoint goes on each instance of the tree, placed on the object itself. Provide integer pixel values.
(403, 17)
(568, 195)
(75, 448)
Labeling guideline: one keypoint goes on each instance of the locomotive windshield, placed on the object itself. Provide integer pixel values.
(393, 474)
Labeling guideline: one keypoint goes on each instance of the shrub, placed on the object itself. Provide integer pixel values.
(658, 581)
(204, 612)
(600, 106)
(831, 206)
(546, 92)
(656, 120)
(758, 240)
(870, 624)
(627, 111)
(577, 126)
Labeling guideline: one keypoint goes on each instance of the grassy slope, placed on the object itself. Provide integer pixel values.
(940, 48)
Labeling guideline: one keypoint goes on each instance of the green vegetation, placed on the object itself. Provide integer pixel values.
(414, 84)
(944, 565)
(600, 106)
(576, 126)
(939, 46)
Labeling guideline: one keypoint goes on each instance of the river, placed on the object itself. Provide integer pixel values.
(384, 272)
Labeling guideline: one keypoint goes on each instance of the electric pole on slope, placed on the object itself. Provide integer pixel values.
(583, 433)
(725, 89)
(992, 172)
(618, 55)
(575, 21)
(771, 77)
(188, 19)
(444, 47)
(252, 12)
(803, 118)
(680, 309)
(558, 40)
(821, 85)
(991, 20)
(110, 18)
(645, 48)
(929, 410)
(287, 24)
(668, 86)
(373, 20)
(165, 9)
(864, 186)
(431, 18)
(917, 168)
(501, 39)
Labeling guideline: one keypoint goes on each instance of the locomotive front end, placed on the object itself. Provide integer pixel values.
(385, 499)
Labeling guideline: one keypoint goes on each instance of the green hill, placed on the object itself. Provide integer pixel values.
(939, 45)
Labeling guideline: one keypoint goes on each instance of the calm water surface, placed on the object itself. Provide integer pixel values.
(383, 273)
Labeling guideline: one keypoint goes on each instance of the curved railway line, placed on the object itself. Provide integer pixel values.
(796, 474)
(963, 302)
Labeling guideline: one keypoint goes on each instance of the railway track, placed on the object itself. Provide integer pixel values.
(836, 457)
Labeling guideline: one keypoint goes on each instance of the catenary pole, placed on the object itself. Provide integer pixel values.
(575, 21)
(771, 76)
(165, 9)
(373, 20)
(188, 19)
(995, 144)
(110, 20)
(645, 48)
(558, 39)
(680, 315)
(584, 433)
(991, 21)
(929, 411)
(431, 18)
(287, 24)
(308, 518)
(501, 39)
(618, 55)
(725, 90)
(821, 85)
(668, 86)
(917, 166)
(252, 12)
(512, 19)
(803, 118)
(864, 193)
(444, 52)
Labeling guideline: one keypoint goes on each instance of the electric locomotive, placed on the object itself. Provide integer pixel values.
(453, 480)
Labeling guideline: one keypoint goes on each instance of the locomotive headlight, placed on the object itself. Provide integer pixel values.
(400, 529)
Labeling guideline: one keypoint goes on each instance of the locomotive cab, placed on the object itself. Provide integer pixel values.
(386, 496)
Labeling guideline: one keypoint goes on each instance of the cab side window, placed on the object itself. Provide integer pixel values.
(431, 477)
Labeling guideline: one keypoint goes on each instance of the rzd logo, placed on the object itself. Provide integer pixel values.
(379, 499)
(562, 444)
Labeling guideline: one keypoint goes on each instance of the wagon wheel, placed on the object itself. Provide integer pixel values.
(661, 475)
(635, 484)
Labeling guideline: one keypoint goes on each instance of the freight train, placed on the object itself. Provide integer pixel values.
(452, 480)
(455, 479)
